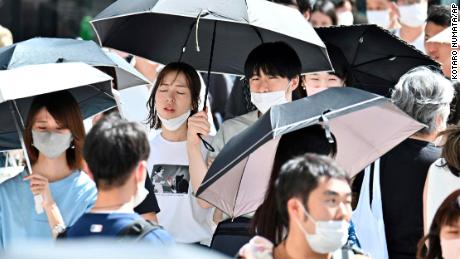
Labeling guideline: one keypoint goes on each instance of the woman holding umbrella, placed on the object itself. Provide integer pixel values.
(175, 97)
(53, 136)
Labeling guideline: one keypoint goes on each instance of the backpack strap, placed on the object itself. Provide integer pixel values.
(138, 229)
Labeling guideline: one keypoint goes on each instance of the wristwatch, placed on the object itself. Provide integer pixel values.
(58, 229)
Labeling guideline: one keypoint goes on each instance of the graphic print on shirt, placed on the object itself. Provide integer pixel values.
(170, 178)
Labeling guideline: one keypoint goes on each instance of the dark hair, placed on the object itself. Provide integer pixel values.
(66, 112)
(307, 140)
(193, 82)
(113, 148)
(304, 6)
(273, 58)
(447, 214)
(439, 15)
(299, 177)
(451, 149)
(326, 7)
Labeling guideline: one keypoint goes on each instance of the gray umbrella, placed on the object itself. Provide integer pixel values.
(52, 50)
(365, 125)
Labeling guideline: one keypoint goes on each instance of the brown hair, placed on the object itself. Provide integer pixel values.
(193, 83)
(451, 149)
(65, 110)
(447, 214)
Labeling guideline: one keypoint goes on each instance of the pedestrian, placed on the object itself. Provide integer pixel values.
(116, 152)
(148, 208)
(307, 140)
(272, 71)
(382, 13)
(176, 97)
(443, 176)
(313, 199)
(53, 135)
(316, 82)
(412, 17)
(425, 96)
(443, 239)
(323, 14)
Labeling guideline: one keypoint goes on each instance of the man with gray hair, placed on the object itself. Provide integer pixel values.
(425, 96)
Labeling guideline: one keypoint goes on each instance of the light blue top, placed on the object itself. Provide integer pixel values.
(74, 195)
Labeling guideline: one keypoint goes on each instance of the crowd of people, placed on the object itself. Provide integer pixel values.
(121, 181)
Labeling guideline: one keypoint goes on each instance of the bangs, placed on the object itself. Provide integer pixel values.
(267, 69)
(453, 216)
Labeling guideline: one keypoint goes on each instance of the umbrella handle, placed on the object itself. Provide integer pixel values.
(206, 144)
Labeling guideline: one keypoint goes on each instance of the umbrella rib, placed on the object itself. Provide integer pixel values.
(384, 58)
(295, 124)
(237, 190)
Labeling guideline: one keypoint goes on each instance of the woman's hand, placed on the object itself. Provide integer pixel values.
(197, 124)
(39, 185)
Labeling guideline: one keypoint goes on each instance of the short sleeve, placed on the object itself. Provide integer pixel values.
(150, 203)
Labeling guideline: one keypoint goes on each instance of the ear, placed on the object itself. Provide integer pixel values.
(86, 169)
(394, 10)
(294, 209)
(141, 171)
(294, 83)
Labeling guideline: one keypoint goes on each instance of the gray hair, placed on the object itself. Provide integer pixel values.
(424, 95)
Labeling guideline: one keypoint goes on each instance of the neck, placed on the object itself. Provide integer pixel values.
(115, 199)
(425, 137)
(53, 169)
(175, 136)
(410, 34)
(297, 246)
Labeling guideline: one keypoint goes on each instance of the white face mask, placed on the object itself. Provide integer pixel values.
(51, 144)
(174, 123)
(413, 15)
(450, 248)
(345, 18)
(381, 18)
(264, 101)
(329, 237)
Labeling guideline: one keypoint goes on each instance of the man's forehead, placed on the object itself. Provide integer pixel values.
(329, 186)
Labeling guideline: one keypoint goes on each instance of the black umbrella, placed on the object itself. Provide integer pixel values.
(194, 30)
(365, 126)
(375, 58)
(52, 50)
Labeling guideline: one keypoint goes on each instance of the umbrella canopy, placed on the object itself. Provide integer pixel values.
(375, 59)
(194, 31)
(90, 87)
(365, 126)
(52, 50)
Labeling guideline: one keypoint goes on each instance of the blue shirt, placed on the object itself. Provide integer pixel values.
(110, 224)
(74, 195)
